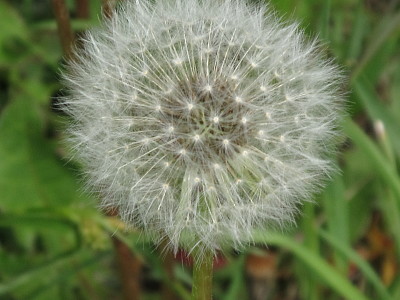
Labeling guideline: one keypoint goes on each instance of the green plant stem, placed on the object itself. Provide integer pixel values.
(202, 276)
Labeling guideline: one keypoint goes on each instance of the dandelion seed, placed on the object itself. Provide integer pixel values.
(253, 65)
(177, 61)
(239, 99)
(208, 88)
(196, 138)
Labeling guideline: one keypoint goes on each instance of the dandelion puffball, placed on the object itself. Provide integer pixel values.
(202, 120)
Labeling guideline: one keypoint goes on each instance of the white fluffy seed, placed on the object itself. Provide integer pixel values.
(178, 114)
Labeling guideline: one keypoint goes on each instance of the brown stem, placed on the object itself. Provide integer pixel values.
(64, 27)
(130, 269)
(168, 265)
(82, 9)
(129, 266)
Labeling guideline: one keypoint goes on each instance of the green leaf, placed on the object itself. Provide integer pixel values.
(31, 175)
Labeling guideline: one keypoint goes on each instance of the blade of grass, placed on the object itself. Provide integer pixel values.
(336, 210)
(389, 207)
(324, 20)
(382, 166)
(308, 283)
(336, 37)
(358, 33)
(388, 25)
(390, 210)
(237, 280)
(351, 255)
(365, 93)
(321, 268)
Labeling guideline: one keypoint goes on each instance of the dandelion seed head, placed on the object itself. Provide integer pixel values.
(202, 121)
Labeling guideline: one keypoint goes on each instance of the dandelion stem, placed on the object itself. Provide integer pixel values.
(202, 276)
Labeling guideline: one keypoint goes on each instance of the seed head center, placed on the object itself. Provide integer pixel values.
(210, 126)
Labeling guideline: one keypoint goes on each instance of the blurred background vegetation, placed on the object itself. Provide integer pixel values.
(55, 244)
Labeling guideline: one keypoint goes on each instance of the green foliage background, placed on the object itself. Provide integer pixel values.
(55, 244)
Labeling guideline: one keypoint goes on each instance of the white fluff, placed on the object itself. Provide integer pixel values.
(202, 120)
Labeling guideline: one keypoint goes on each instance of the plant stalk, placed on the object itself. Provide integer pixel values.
(82, 9)
(64, 26)
(202, 276)
(130, 266)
